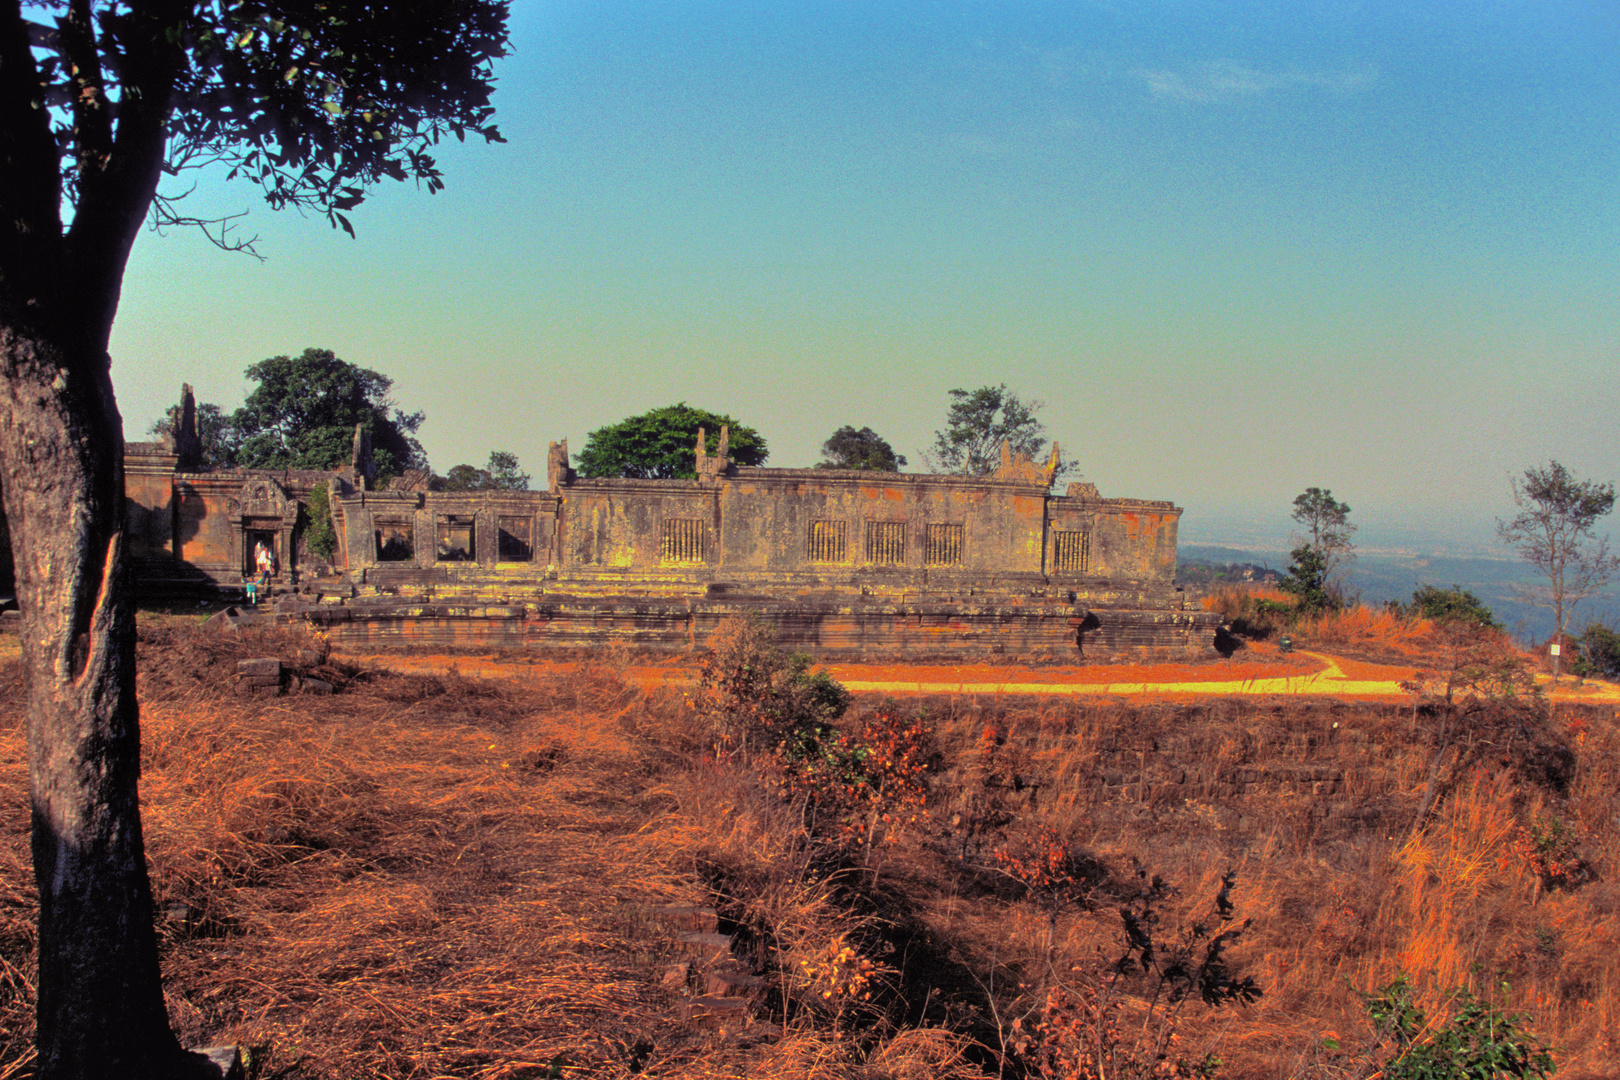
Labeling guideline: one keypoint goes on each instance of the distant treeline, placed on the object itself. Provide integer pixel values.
(1207, 572)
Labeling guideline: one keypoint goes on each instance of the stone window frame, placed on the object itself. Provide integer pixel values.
(943, 543)
(404, 528)
(827, 541)
(445, 527)
(502, 531)
(683, 541)
(1071, 551)
(885, 542)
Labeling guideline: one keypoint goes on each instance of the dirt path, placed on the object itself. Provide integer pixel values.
(1312, 674)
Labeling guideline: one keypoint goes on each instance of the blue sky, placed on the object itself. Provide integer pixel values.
(1236, 249)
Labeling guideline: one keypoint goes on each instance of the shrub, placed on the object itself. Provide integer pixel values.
(1455, 604)
(1481, 1041)
(1549, 849)
(1600, 652)
(867, 784)
(318, 533)
(752, 695)
(1078, 1034)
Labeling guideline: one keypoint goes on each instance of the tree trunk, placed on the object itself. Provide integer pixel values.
(100, 1002)
(100, 1011)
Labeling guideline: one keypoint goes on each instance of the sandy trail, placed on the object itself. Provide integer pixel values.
(1319, 675)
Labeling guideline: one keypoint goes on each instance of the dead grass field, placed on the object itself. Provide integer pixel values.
(439, 876)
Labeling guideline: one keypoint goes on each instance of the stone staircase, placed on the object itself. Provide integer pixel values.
(718, 991)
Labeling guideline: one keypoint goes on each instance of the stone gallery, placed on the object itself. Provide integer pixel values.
(840, 562)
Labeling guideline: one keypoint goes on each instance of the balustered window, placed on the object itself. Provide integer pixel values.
(828, 541)
(396, 541)
(515, 539)
(1071, 552)
(944, 545)
(685, 540)
(886, 543)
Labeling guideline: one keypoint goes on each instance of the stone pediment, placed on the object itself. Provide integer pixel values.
(262, 497)
(1020, 466)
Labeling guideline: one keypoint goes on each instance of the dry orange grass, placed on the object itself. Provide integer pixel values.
(1362, 629)
(436, 877)
(1237, 598)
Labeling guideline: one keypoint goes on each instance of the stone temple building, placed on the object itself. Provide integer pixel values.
(841, 562)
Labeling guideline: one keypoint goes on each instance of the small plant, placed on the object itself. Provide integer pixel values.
(1045, 865)
(1095, 1031)
(835, 979)
(1550, 850)
(1079, 1035)
(1481, 1040)
(868, 785)
(752, 695)
(316, 526)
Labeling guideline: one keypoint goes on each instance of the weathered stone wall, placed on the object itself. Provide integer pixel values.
(1130, 539)
(843, 561)
(149, 500)
(768, 514)
(617, 524)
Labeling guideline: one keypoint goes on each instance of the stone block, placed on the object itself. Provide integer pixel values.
(716, 1013)
(705, 947)
(318, 687)
(262, 667)
(728, 981)
(225, 1061)
(688, 917)
(676, 976)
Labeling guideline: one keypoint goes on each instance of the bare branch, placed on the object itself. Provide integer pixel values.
(218, 229)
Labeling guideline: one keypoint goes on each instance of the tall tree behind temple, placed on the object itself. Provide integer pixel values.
(978, 423)
(848, 448)
(661, 444)
(303, 414)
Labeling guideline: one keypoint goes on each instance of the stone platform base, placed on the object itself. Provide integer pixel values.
(1035, 630)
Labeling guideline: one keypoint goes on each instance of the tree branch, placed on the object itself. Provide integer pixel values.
(116, 193)
(31, 194)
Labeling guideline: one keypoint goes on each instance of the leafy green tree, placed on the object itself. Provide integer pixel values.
(303, 413)
(1600, 652)
(863, 449)
(1455, 604)
(976, 425)
(504, 474)
(1307, 581)
(1555, 532)
(98, 103)
(662, 444)
(1326, 522)
(501, 474)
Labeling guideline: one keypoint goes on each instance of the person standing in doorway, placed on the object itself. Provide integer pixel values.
(265, 561)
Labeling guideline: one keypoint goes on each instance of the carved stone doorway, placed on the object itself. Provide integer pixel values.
(255, 533)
